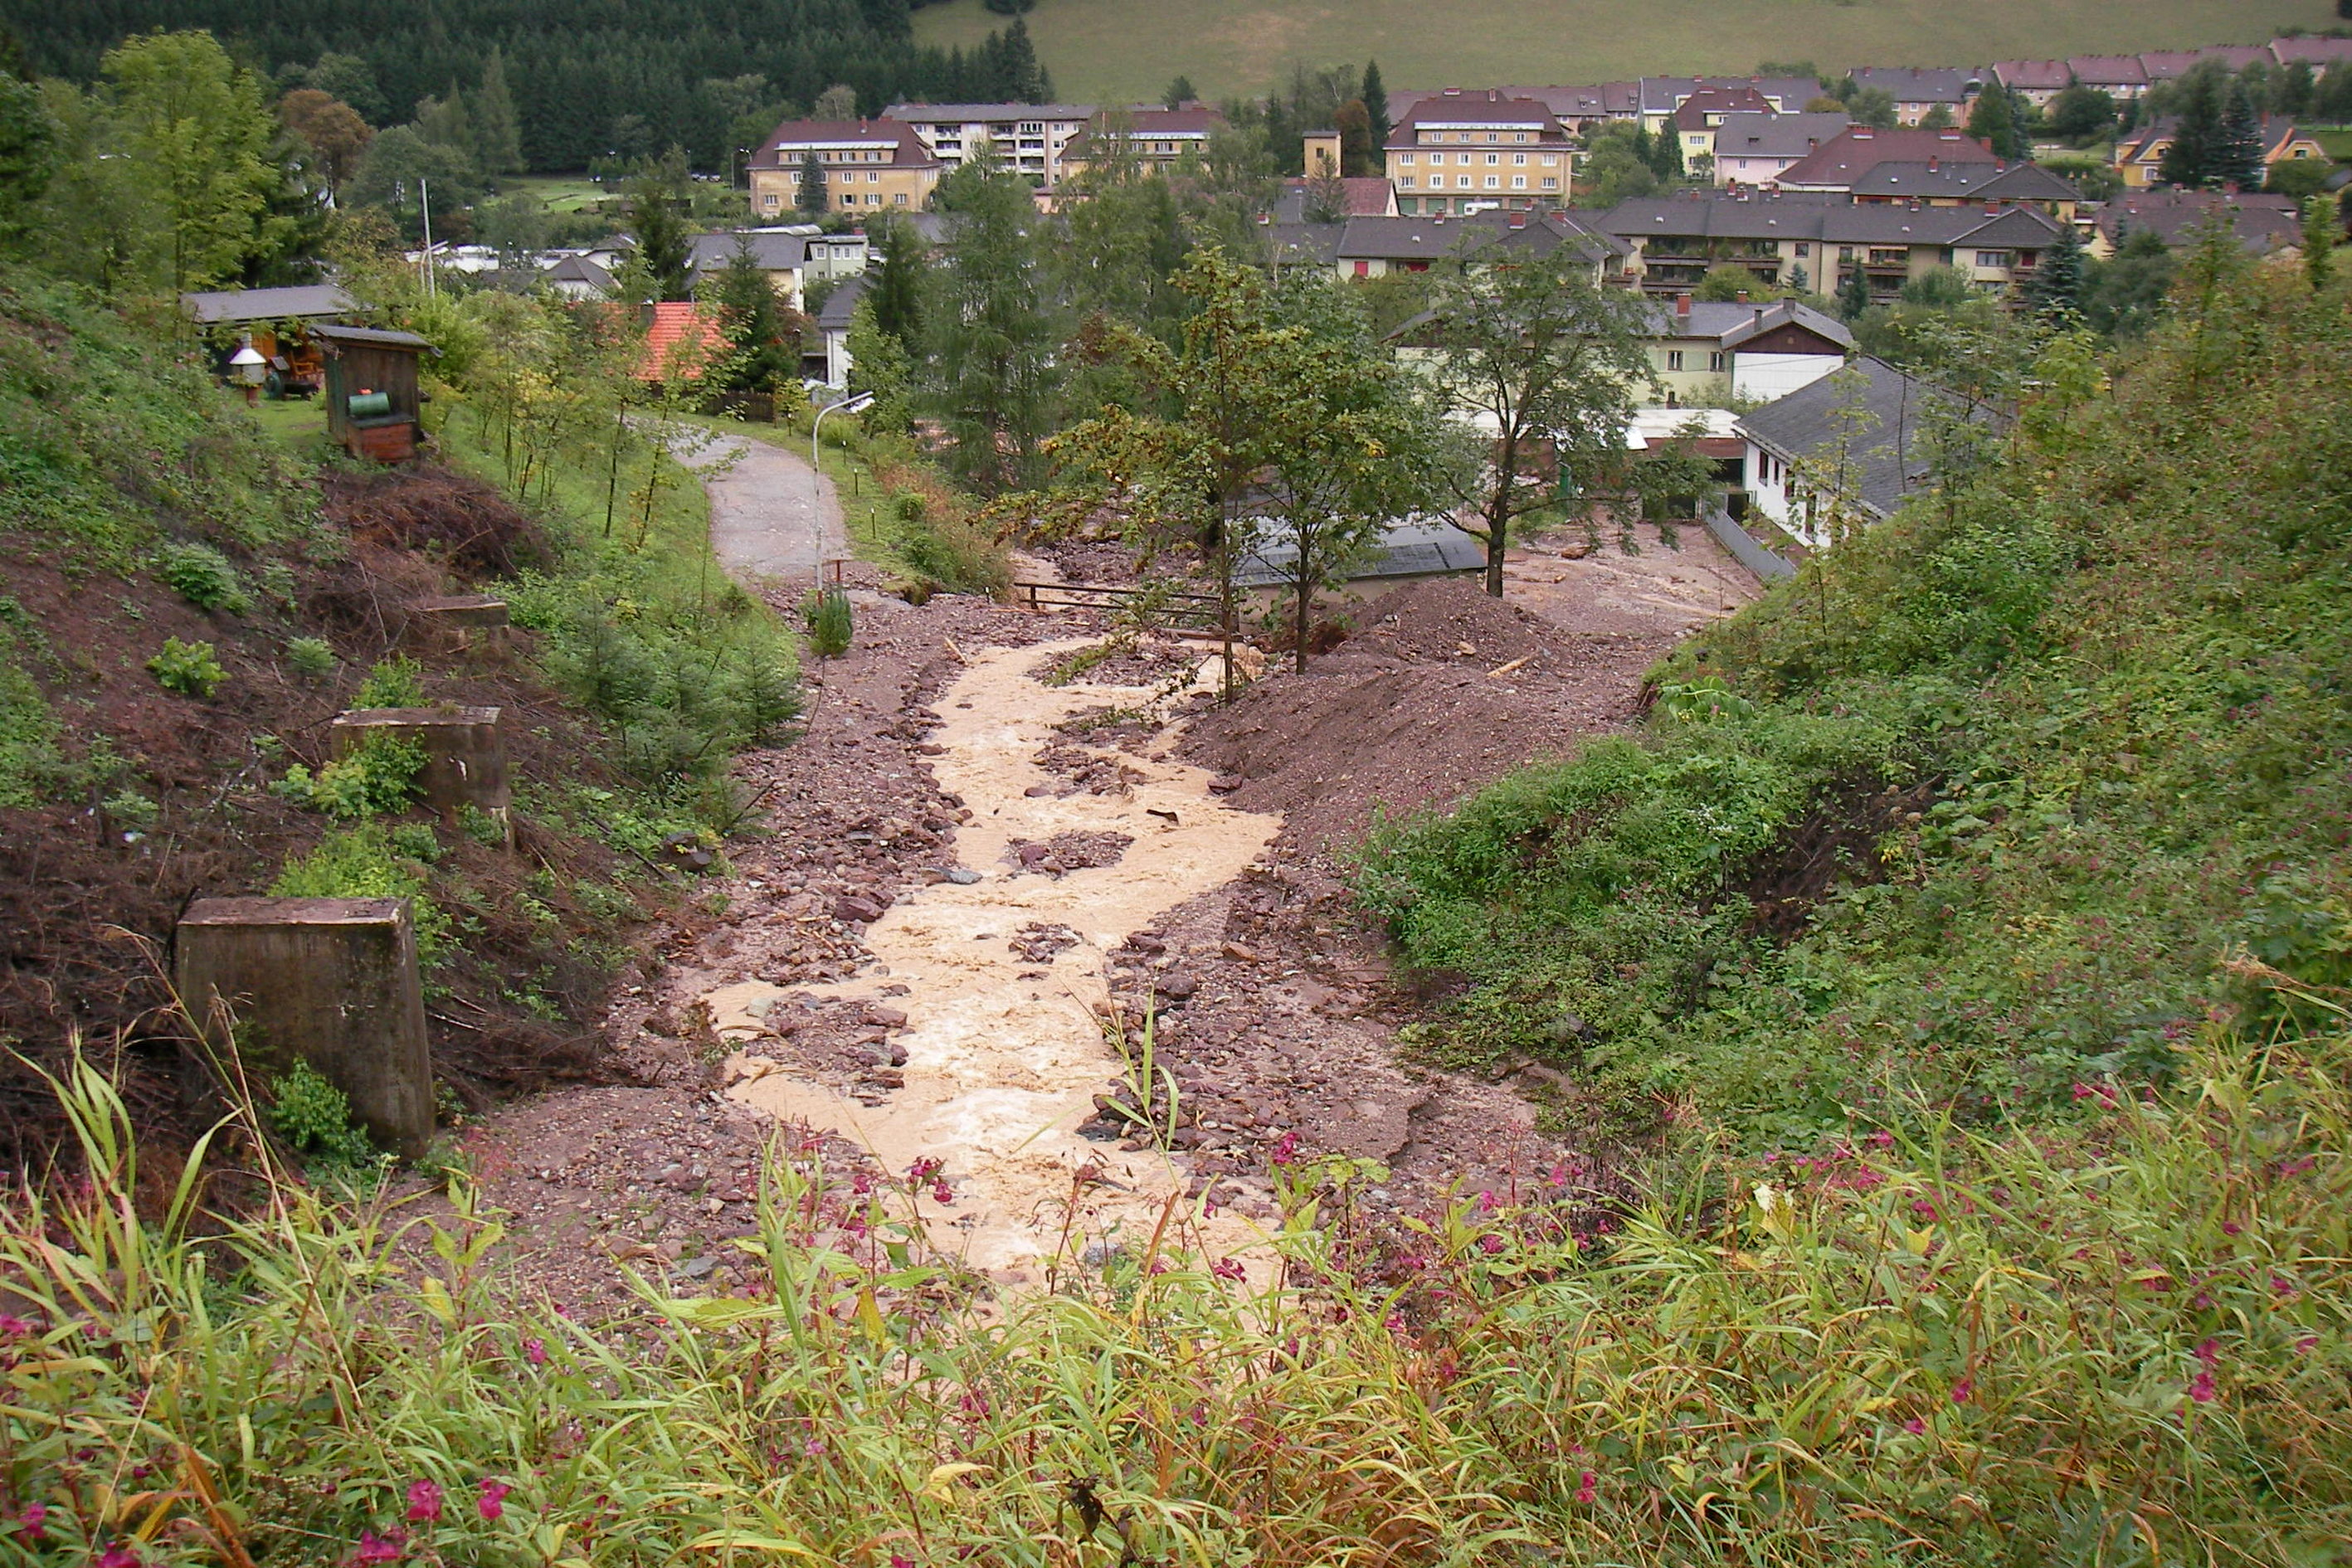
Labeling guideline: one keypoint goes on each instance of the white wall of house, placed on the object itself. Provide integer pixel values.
(1766, 377)
(1766, 480)
(837, 358)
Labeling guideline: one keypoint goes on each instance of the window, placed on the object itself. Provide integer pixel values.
(1493, 159)
(1719, 360)
(1494, 182)
(1550, 160)
(1551, 181)
(1404, 159)
(1491, 136)
(1674, 359)
(1519, 137)
(1518, 181)
(1518, 160)
(901, 198)
(1363, 270)
(1996, 259)
(1845, 252)
(769, 200)
(1406, 183)
(874, 178)
(1803, 250)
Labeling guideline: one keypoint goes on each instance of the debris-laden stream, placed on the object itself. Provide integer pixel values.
(1001, 1069)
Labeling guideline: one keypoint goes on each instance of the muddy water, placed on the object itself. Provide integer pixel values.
(1000, 1070)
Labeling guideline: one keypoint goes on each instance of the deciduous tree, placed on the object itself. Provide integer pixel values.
(332, 131)
(1549, 367)
(203, 143)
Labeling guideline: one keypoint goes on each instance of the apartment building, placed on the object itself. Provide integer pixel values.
(1755, 149)
(1462, 153)
(1813, 240)
(1838, 162)
(869, 165)
(1026, 138)
(1157, 138)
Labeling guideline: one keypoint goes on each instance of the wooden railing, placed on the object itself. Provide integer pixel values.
(1164, 608)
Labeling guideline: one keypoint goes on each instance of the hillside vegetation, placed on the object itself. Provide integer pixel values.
(1992, 809)
(1118, 50)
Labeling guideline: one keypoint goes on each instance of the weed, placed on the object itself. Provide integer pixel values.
(202, 576)
(315, 1118)
(394, 683)
(376, 778)
(363, 862)
(188, 669)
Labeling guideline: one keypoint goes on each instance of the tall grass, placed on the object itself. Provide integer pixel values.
(2123, 1343)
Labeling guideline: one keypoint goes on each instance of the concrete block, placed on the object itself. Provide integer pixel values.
(459, 618)
(465, 755)
(331, 981)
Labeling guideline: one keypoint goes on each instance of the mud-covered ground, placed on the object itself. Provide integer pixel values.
(976, 879)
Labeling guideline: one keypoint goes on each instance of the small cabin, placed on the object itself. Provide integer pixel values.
(372, 400)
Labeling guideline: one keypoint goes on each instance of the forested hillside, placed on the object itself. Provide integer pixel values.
(589, 77)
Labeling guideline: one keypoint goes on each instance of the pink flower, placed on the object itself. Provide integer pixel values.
(117, 1556)
(2304, 1346)
(374, 1548)
(1288, 1149)
(924, 1169)
(2209, 1350)
(29, 1523)
(1588, 1486)
(1962, 1389)
(899, 1562)
(535, 1350)
(1226, 1269)
(1485, 1203)
(423, 1502)
(1914, 1426)
(493, 1501)
(942, 1194)
(2200, 1388)
(13, 1327)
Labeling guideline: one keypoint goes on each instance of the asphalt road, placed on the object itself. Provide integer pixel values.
(771, 514)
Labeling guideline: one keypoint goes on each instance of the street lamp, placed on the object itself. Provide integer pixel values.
(816, 480)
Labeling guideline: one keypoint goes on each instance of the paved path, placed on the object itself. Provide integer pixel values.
(769, 515)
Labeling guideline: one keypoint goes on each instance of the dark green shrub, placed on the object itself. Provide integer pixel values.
(202, 576)
(313, 658)
(394, 683)
(830, 625)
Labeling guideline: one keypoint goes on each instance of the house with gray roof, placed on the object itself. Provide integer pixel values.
(1372, 247)
(824, 355)
(1850, 446)
(1662, 95)
(1708, 352)
(1942, 184)
(1920, 90)
(1754, 149)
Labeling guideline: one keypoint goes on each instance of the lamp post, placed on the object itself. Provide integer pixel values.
(816, 480)
(247, 365)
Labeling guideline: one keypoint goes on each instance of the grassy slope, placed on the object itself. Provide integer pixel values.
(1123, 49)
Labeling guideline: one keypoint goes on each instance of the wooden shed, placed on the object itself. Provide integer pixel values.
(373, 401)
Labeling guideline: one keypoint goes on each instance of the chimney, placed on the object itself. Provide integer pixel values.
(647, 310)
(1992, 209)
(1935, 163)
(1518, 220)
(1682, 305)
(1740, 297)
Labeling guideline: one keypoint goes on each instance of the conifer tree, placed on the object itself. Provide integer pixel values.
(663, 250)
(1375, 95)
(762, 350)
(810, 187)
(1666, 156)
(2320, 233)
(1853, 293)
(2056, 290)
(895, 282)
(2238, 153)
(1179, 92)
(498, 134)
(2189, 162)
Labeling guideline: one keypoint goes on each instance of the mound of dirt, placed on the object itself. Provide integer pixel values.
(1442, 690)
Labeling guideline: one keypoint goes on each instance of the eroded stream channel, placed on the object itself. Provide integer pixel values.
(1004, 1052)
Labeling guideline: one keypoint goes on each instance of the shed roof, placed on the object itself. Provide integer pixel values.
(369, 337)
(773, 251)
(1413, 547)
(307, 301)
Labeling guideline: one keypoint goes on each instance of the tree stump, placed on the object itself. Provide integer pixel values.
(464, 755)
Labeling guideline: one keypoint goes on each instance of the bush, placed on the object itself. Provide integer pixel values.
(202, 576)
(187, 668)
(363, 862)
(830, 628)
